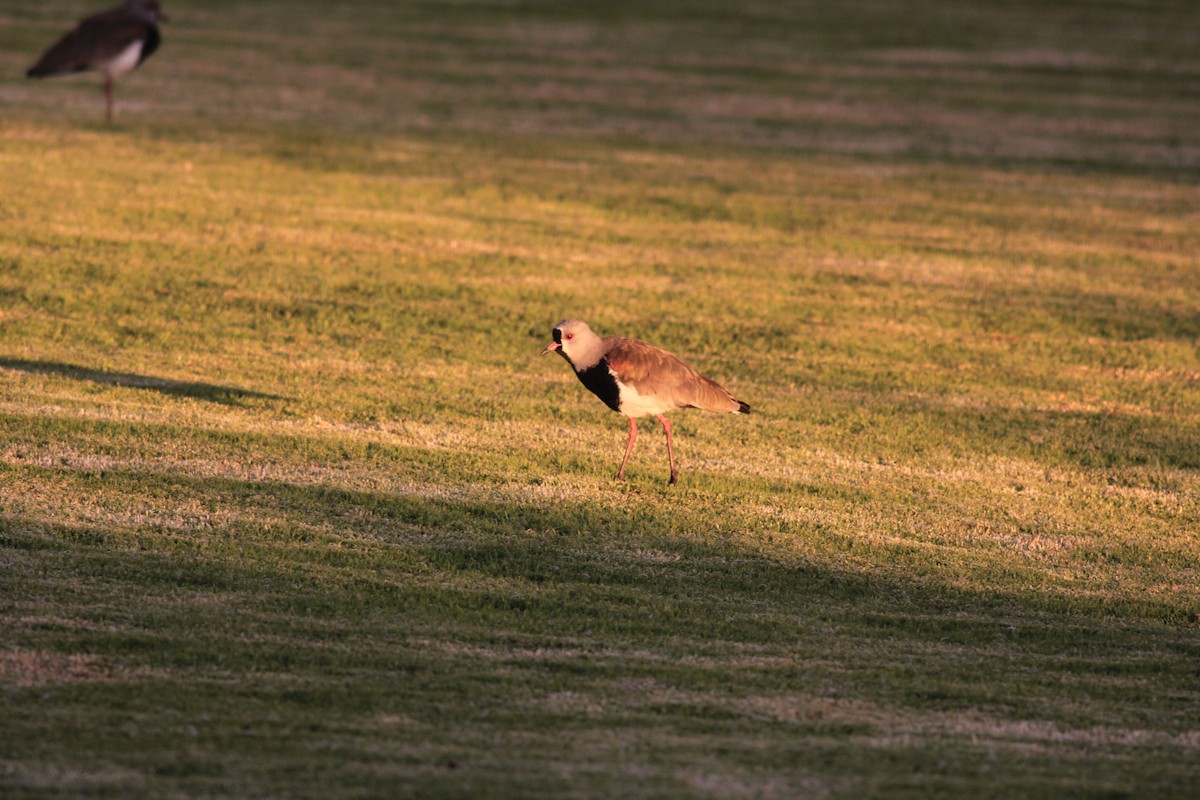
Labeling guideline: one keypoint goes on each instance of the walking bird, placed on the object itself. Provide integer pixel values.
(113, 42)
(638, 379)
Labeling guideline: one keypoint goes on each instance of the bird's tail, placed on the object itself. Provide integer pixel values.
(61, 58)
(743, 408)
(46, 69)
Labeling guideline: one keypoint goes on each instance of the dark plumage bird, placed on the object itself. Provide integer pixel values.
(113, 42)
(638, 379)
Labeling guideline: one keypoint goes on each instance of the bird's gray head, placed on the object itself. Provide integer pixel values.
(575, 342)
(148, 10)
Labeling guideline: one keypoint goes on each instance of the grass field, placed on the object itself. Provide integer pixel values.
(290, 506)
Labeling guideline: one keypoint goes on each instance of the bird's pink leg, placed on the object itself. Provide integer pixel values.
(670, 450)
(628, 448)
(108, 86)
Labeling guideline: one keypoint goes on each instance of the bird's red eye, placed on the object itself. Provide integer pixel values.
(570, 336)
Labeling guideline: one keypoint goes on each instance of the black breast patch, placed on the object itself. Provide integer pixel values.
(602, 383)
(150, 45)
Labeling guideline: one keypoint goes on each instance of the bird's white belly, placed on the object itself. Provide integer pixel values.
(124, 61)
(641, 405)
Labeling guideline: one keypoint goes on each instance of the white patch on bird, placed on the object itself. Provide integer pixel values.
(639, 405)
(124, 61)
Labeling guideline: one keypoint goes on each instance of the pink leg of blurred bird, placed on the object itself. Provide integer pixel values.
(670, 450)
(628, 448)
(108, 83)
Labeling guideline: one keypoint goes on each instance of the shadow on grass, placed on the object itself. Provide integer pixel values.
(195, 389)
(551, 553)
(335, 603)
(453, 617)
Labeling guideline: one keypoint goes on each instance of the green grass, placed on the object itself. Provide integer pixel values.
(290, 506)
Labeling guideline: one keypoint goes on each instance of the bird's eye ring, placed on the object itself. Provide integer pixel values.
(570, 336)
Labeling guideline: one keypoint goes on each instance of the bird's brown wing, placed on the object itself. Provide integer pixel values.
(97, 39)
(653, 371)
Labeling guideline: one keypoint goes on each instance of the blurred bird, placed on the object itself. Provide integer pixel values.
(113, 42)
(638, 379)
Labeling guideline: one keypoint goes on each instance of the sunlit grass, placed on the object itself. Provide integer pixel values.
(289, 504)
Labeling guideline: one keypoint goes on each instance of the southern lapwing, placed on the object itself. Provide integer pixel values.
(638, 379)
(113, 42)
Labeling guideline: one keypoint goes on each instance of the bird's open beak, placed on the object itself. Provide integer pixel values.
(550, 347)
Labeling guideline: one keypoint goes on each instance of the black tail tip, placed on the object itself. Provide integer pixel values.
(743, 408)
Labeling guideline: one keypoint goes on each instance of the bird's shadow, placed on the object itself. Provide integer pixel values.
(211, 392)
